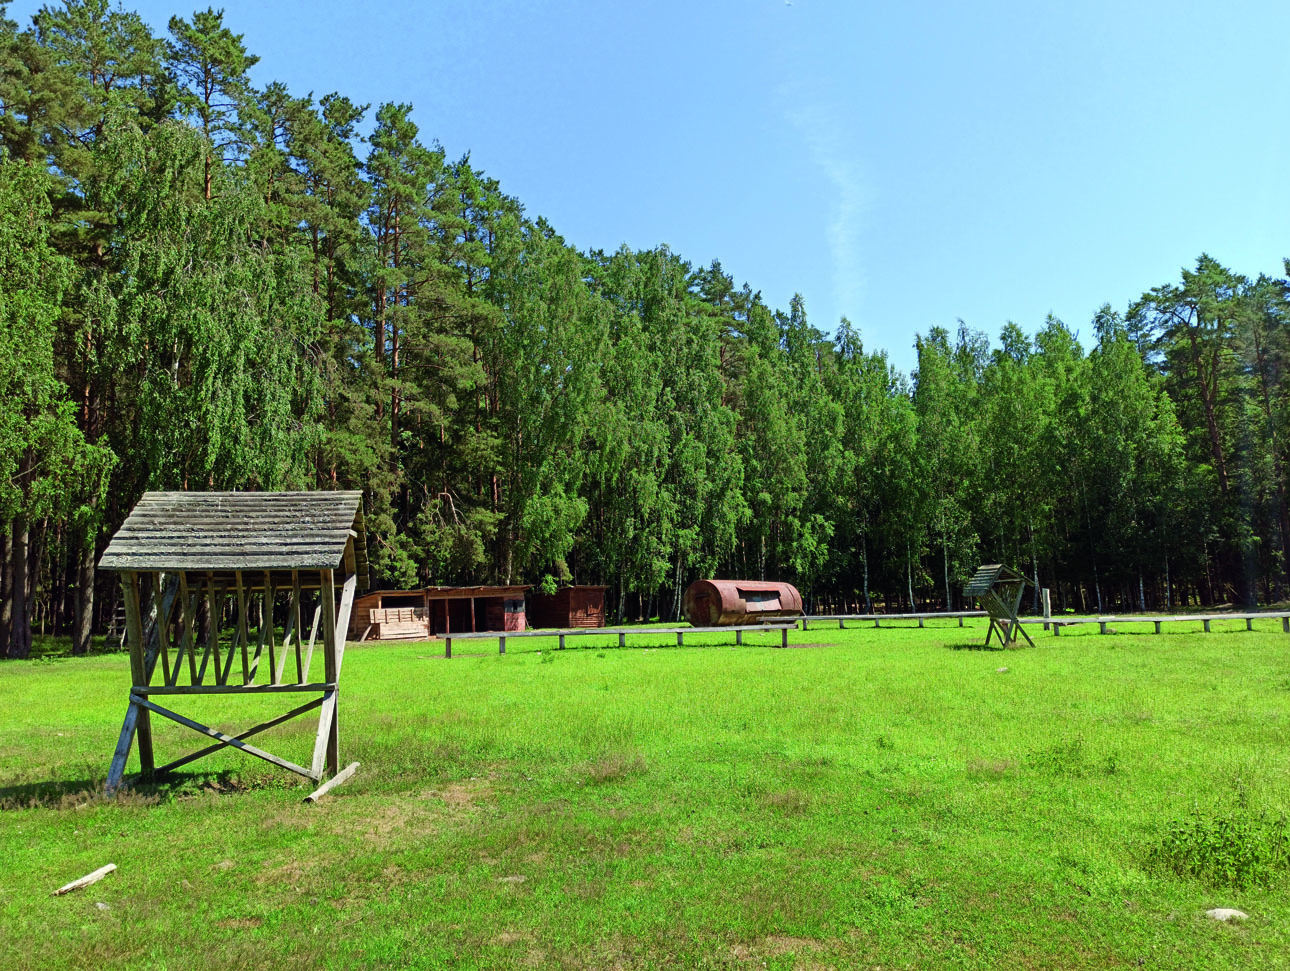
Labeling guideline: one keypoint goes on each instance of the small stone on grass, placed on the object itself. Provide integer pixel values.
(1226, 914)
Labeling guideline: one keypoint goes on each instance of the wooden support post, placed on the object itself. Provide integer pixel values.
(1285, 625)
(562, 642)
(501, 644)
(1102, 626)
(622, 639)
(288, 633)
(188, 641)
(299, 624)
(1206, 625)
(326, 743)
(784, 640)
(243, 634)
(224, 670)
(138, 672)
(1249, 623)
(842, 624)
(960, 621)
(266, 627)
(213, 636)
(680, 639)
(920, 621)
(875, 623)
(1057, 629)
(739, 637)
(447, 646)
(1157, 627)
(163, 632)
(803, 623)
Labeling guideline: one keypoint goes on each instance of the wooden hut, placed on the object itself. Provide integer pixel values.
(999, 589)
(431, 611)
(568, 607)
(297, 557)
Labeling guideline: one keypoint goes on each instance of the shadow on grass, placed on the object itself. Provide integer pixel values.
(79, 793)
(975, 646)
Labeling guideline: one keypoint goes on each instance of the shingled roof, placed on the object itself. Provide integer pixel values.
(240, 531)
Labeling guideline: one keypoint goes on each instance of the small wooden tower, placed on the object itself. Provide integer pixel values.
(259, 554)
(1000, 589)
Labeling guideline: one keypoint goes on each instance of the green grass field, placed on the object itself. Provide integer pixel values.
(890, 798)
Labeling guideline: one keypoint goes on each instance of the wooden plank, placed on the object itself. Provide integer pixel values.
(342, 620)
(85, 881)
(188, 613)
(243, 629)
(227, 739)
(116, 770)
(241, 736)
(217, 623)
(233, 689)
(313, 633)
(340, 777)
(163, 632)
(298, 620)
(287, 634)
(326, 716)
(212, 635)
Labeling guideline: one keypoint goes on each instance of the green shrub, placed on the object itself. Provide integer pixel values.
(1226, 849)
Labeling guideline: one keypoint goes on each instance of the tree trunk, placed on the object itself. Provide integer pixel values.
(20, 625)
(83, 621)
(6, 587)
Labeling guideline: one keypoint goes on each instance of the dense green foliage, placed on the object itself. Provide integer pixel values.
(225, 287)
(879, 798)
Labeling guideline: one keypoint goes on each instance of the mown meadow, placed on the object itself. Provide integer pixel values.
(868, 798)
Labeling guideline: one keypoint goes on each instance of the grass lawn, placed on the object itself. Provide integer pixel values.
(876, 798)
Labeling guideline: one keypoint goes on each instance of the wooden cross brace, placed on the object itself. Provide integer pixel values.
(151, 642)
(1003, 613)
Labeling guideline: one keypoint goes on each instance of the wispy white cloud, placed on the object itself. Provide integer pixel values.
(829, 139)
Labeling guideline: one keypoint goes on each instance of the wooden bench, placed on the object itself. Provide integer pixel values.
(622, 633)
(1206, 619)
(878, 618)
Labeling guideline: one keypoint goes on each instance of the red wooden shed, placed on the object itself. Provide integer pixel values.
(568, 607)
(431, 611)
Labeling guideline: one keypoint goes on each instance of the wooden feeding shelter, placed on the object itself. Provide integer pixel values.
(251, 557)
(723, 603)
(568, 607)
(434, 611)
(1000, 589)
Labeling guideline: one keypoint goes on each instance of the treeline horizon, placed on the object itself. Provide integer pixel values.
(208, 285)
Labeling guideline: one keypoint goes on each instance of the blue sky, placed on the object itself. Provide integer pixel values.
(906, 165)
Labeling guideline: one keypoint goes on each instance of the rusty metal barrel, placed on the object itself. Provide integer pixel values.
(727, 603)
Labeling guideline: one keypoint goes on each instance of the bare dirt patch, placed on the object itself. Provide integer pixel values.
(240, 923)
(613, 767)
